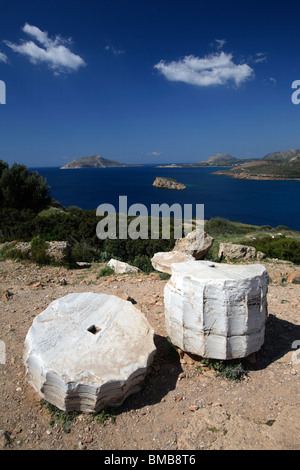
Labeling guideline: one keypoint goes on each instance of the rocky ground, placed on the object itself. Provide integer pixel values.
(183, 404)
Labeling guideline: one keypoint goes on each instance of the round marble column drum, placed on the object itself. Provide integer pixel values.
(216, 310)
(87, 351)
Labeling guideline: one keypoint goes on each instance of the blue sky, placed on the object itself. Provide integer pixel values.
(147, 81)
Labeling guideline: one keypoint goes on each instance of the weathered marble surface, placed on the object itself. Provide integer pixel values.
(236, 251)
(197, 243)
(122, 268)
(162, 260)
(87, 351)
(216, 310)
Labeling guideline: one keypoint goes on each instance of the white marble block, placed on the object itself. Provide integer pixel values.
(216, 310)
(87, 351)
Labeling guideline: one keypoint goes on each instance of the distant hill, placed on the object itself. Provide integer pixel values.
(219, 159)
(93, 161)
(274, 166)
(282, 156)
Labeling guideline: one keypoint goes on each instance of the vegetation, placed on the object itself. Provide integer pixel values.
(22, 189)
(106, 271)
(286, 169)
(233, 369)
(29, 214)
(38, 250)
(279, 247)
(104, 415)
(57, 416)
(221, 226)
(276, 242)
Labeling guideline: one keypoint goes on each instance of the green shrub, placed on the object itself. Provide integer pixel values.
(231, 370)
(221, 226)
(164, 276)
(143, 262)
(57, 416)
(106, 271)
(280, 247)
(38, 250)
(20, 188)
(82, 251)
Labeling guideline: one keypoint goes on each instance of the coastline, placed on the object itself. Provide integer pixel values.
(255, 177)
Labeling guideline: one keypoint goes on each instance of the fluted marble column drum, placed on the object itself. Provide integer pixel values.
(87, 351)
(216, 310)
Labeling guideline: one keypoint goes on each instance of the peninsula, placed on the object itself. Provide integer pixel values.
(274, 166)
(93, 161)
(283, 165)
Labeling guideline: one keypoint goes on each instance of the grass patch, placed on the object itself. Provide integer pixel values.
(106, 271)
(233, 370)
(107, 414)
(164, 276)
(281, 247)
(57, 416)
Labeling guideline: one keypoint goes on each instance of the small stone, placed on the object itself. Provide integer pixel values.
(4, 438)
(194, 408)
(179, 398)
(120, 267)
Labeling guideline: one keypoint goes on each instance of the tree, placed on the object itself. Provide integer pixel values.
(3, 166)
(22, 189)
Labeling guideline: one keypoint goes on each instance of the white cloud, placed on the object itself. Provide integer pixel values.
(260, 57)
(114, 50)
(154, 154)
(54, 52)
(220, 43)
(214, 69)
(3, 57)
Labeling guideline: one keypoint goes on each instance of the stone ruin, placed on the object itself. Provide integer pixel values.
(216, 310)
(87, 351)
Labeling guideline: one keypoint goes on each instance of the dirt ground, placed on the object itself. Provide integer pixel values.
(183, 405)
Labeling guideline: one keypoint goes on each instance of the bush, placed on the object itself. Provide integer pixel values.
(280, 247)
(231, 369)
(22, 189)
(38, 250)
(221, 226)
(106, 271)
(143, 262)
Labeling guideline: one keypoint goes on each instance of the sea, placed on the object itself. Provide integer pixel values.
(254, 202)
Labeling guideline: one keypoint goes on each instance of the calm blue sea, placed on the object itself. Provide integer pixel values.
(255, 202)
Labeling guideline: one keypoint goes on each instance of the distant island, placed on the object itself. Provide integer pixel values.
(93, 161)
(274, 166)
(168, 183)
(219, 159)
